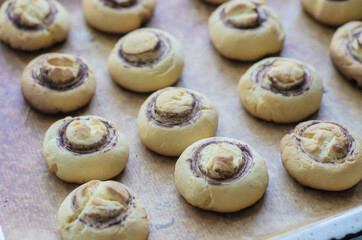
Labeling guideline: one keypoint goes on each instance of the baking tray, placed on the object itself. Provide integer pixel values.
(30, 194)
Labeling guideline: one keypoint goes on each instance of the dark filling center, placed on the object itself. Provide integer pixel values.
(107, 141)
(173, 119)
(345, 131)
(15, 18)
(243, 170)
(116, 5)
(40, 75)
(295, 89)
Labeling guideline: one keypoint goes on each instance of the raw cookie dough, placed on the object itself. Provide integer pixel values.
(246, 30)
(117, 16)
(102, 211)
(346, 51)
(58, 83)
(33, 24)
(173, 118)
(146, 60)
(221, 174)
(334, 12)
(84, 148)
(323, 155)
(282, 90)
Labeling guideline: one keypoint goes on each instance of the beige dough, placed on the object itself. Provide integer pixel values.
(102, 211)
(84, 148)
(221, 174)
(33, 24)
(323, 155)
(146, 60)
(117, 16)
(282, 90)
(58, 83)
(334, 13)
(346, 51)
(173, 118)
(246, 30)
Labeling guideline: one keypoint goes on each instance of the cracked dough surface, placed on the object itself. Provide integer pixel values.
(30, 39)
(187, 121)
(102, 211)
(159, 67)
(280, 104)
(227, 195)
(84, 148)
(333, 13)
(323, 155)
(346, 50)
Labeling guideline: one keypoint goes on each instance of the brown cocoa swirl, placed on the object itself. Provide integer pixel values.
(262, 17)
(243, 170)
(295, 90)
(192, 115)
(305, 127)
(113, 4)
(15, 18)
(99, 222)
(107, 141)
(349, 46)
(39, 74)
(163, 44)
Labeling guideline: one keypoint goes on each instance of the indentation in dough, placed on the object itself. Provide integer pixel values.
(221, 161)
(325, 142)
(100, 204)
(284, 75)
(242, 14)
(357, 45)
(60, 69)
(31, 13)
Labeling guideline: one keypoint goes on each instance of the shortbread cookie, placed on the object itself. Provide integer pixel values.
(282, 90)
(102, 211)
(346, 51)
(221, 174)
(246, 30)
(117, 16)
(58, 83)
(146, 60)
(173, 118)
(334, 12)
(85, 148)
(33, 24)
(323, 155)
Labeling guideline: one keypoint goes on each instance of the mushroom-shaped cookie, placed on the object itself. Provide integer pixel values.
(221, 174)
(33, 24)
(173, 118)
(346, 51)
(334, 12)
(245, 30)
(58, 83)
(102, 211)
(84, 148)
(146, 60)
(323, 155)
(117, 16)
(282, 90)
